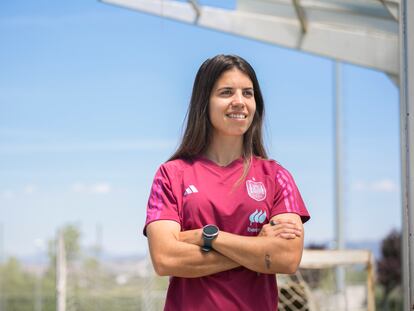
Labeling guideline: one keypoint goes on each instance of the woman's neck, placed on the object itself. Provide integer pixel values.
(225, 149)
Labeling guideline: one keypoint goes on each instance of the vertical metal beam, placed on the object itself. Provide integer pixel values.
(1, 243)
(60, 273)
(407, 147)
(300, 13)
(38, 305)
(38, 296)
(2, 308)
(197, 9)
(98, 246)
(339, 213)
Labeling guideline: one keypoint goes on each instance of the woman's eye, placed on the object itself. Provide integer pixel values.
(248, 93)
(226, 92)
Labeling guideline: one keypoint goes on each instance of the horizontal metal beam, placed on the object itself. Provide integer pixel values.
(362, 40)
(318, 259)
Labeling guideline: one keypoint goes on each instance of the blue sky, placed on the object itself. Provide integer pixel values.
(92, 101)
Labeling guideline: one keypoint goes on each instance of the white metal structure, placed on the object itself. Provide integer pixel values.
(60, 273)
(378, 34)
(338, 179)
(322, 259)
(407, 146)
(363, 32)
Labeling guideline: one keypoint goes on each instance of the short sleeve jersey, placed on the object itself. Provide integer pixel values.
(198, 192)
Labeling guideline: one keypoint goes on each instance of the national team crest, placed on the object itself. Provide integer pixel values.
(256, 190)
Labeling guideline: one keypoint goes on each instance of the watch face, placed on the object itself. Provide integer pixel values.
(210, 230)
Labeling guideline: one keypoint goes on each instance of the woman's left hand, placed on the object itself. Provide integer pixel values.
(285, 229)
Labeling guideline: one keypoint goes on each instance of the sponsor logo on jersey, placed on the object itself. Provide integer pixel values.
(256, 190)
(190, 189)
(257, 217)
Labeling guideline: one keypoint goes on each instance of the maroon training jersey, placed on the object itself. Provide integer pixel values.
(198, 192)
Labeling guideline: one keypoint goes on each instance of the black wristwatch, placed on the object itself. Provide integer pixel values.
(210, 232)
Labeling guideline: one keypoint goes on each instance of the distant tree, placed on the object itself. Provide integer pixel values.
(17, 287)
(71, 237)
(389, 265)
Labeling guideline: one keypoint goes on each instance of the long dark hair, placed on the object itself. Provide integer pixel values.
(198, 132)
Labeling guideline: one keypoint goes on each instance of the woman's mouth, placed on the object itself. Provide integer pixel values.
(238, 116)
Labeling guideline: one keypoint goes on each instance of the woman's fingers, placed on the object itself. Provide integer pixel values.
(285, 229)
(287, 236)
(279, 221)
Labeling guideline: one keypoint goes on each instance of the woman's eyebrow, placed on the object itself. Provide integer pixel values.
(230, 88)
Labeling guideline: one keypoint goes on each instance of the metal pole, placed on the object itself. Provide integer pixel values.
(407, 147)
(98, 246)
(98, 255)
(60, 273)
(38, 305)
(38, 292)
(2, 308)
(1, 243)
(339, 226)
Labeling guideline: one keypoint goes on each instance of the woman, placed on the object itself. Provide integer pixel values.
(222, 219)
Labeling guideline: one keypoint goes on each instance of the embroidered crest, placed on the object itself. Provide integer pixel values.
(256, 190)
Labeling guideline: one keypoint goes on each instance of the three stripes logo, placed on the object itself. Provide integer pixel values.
(190, 189)
(257, 217)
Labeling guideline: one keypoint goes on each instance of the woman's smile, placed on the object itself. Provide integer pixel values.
(237, 116)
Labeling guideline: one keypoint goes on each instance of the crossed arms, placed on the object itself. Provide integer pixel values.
(277, 249)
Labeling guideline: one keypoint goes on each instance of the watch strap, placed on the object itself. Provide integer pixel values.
(207, 244)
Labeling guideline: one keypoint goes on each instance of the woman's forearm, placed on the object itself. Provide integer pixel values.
(263, 254)
(173, 257)
(187, 260)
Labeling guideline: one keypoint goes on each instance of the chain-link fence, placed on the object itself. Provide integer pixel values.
(93, 284)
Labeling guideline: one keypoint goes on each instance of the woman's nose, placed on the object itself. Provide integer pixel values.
(238, 100)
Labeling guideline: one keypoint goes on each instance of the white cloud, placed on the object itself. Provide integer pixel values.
(360, 186)
(8, 194)
(39, 244)
(382, 185)
(29, 189)
(96, 188)
(78, 187)
(101, 188)
(11, 194)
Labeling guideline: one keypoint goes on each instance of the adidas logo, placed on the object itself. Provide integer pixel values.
(190, 189)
